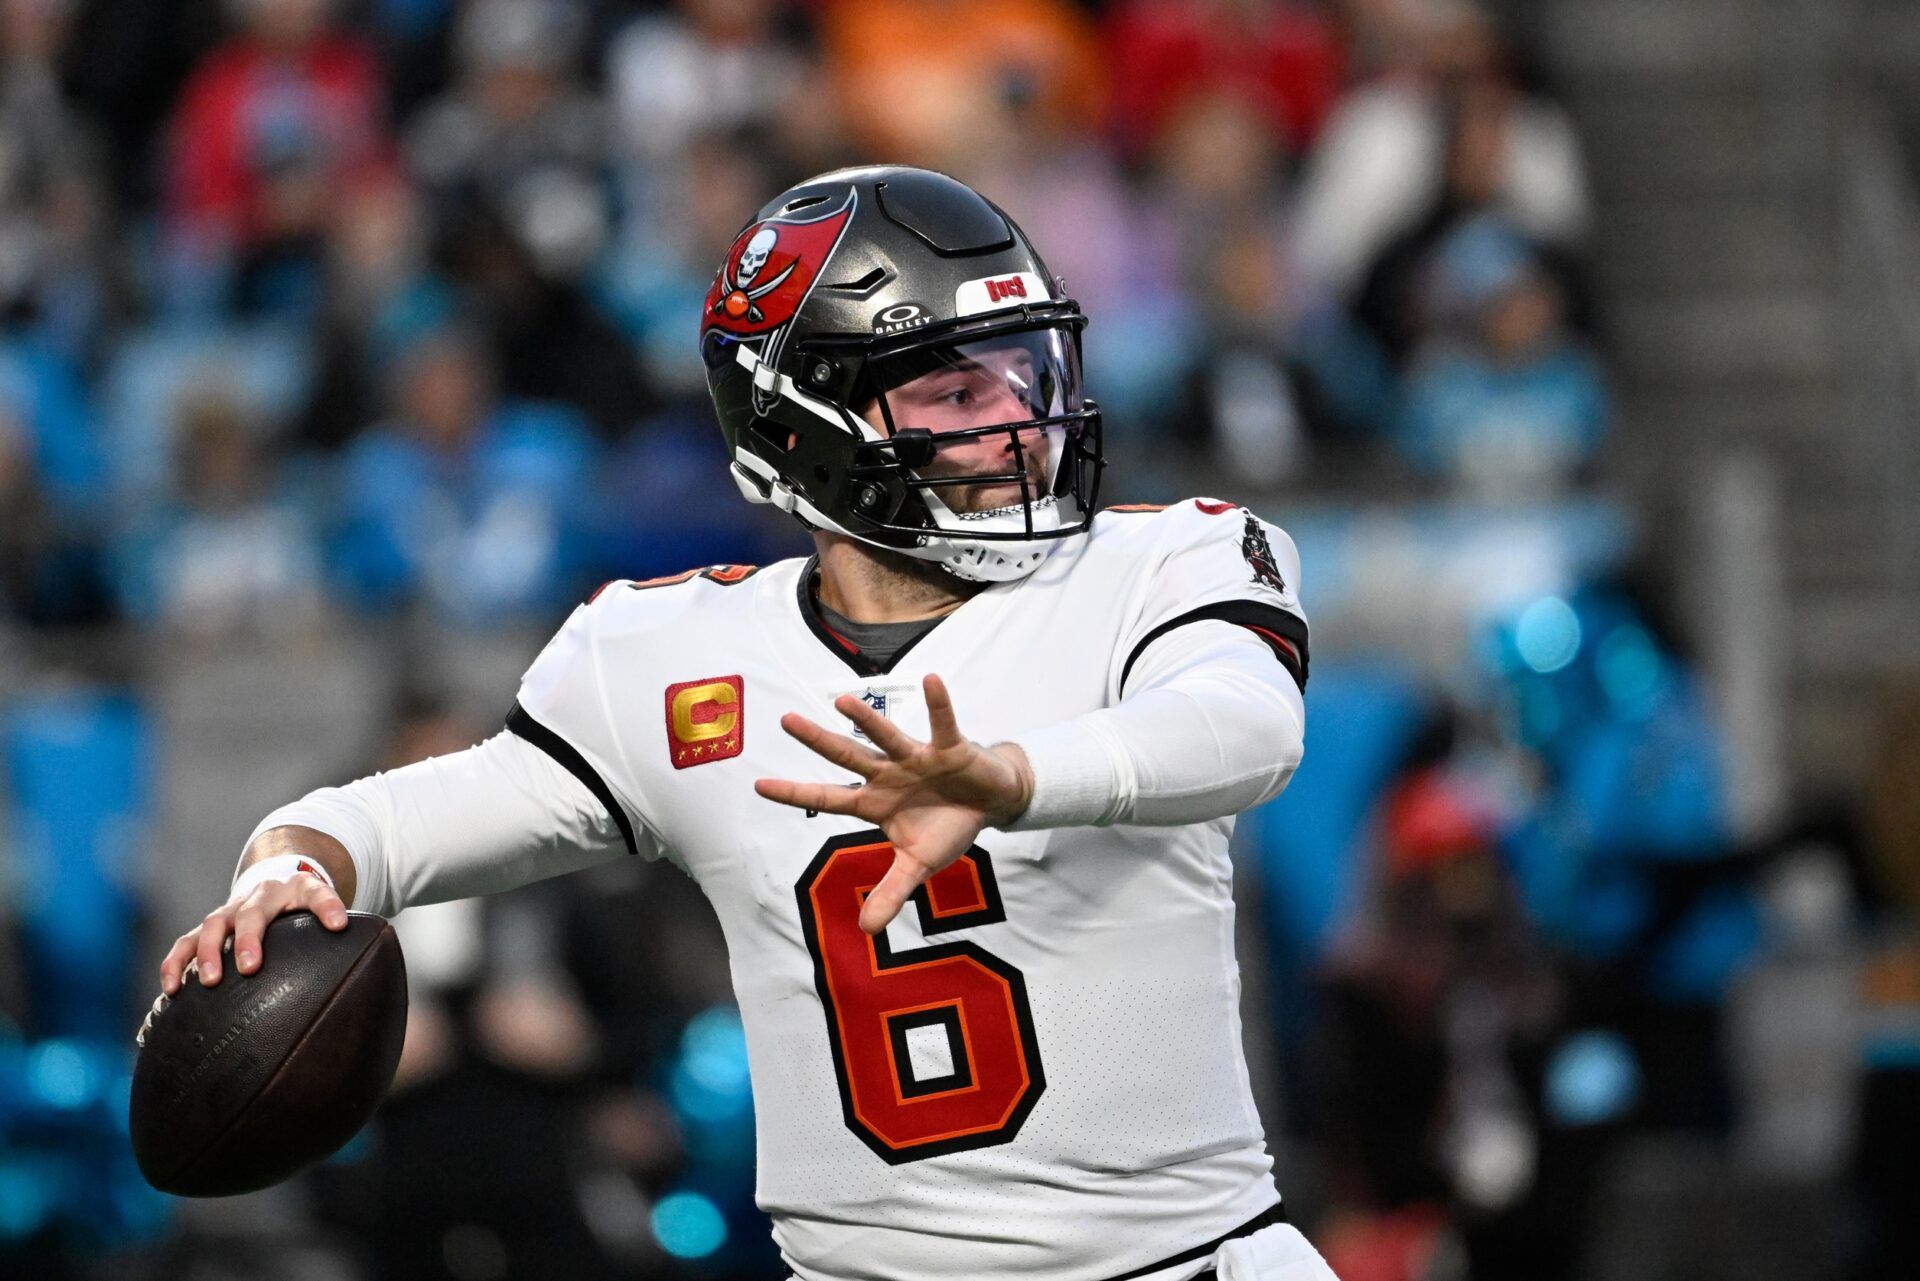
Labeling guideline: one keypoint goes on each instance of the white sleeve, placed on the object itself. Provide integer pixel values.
(495, 816)
(1212, 724)
(1215, 561)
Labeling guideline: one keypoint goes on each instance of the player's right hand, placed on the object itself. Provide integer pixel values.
(246, 918)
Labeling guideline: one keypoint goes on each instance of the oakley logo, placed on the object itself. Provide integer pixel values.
(901, 317)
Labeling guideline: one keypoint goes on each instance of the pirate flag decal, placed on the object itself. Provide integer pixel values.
(1259, 554)
(770, 270)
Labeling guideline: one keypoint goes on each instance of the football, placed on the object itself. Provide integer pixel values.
(242, 1085)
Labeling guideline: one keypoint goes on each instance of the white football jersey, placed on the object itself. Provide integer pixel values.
(1037, 1070)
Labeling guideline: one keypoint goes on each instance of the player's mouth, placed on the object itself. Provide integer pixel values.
(996, 496)
(1014, 508)
(1006, 494)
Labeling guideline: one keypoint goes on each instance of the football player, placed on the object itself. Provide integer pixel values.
(983, 941)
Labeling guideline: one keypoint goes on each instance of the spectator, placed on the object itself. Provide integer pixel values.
(1217, 157)
(515, 164)
(382, 293)
(1249, 401)
(520, 136)
(124, 62)
(923, 81)
(1503, 400)
(466, 503)
(659, 273)
(1625, 857)
(1269, 363)
(1446, 111)
(50, 196)
(271, 127)
(1123, 261)
(698, 67)
(415, 41)
(1446, 1018)
(1382, 34)
(233, 549)
(21, 517)
(545, 338)
(1479, 123)
(1886, 1164)
(652, 530)
(51, 543)
(1280, 57)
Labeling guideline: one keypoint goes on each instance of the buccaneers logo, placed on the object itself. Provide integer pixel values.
(1259, 554)
(741, 296)
(770, 269)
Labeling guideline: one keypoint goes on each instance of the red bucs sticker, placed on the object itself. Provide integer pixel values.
(770, 269)
(996, 293)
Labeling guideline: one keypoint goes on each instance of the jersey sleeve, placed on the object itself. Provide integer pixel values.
(495, 816)
(1215, 561)
(561, 709)
(540, 798)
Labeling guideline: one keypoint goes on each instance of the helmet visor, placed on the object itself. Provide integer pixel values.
(993, 414)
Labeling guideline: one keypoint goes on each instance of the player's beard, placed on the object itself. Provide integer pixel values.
(1035, 452)
(908, 580)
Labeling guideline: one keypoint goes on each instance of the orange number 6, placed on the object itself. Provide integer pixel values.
(933, 1047)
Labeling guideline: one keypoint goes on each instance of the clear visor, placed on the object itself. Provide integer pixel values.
(992, 409)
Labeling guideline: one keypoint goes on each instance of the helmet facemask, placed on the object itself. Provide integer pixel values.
(891, 361)
(976, 449)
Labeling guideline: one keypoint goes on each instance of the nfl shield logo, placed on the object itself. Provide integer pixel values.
(877, 700)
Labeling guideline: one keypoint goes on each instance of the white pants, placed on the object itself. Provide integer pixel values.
(1278, 1253)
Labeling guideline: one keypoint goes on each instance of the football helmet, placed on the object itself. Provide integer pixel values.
(890, 360)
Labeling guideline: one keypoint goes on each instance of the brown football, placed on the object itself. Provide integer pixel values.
(241, 1085)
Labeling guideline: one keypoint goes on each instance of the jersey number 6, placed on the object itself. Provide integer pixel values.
(933, 1047)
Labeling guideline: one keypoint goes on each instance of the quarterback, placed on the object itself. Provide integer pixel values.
(982, 940)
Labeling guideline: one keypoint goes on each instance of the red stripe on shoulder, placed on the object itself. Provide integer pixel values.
(723, 574)
(1277, 642)
(1284, 650)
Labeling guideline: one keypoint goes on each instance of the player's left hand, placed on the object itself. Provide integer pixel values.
(931, 798)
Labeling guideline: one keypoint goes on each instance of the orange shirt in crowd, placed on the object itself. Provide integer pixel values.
(923, 81)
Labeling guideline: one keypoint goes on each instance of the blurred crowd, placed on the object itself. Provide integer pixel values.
(385, 304)
(355, 313)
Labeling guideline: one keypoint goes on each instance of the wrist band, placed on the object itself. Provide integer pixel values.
(280, 867)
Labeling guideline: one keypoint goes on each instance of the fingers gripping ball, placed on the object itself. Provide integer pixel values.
(242, 1085)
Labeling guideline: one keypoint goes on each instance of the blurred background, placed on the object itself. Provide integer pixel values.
(345, 344)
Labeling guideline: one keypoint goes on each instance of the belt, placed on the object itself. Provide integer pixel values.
(1275, 1213)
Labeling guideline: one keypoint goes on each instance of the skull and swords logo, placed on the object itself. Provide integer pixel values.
(741, 296)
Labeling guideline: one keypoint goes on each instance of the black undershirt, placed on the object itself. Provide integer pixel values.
(878, 641)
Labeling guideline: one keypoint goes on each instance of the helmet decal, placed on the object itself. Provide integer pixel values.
(804, 371)
(992, 293)
(770, 270)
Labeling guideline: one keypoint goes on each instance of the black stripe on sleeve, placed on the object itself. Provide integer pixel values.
(1270, 623)
(519, 722)
(1275, 1213)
